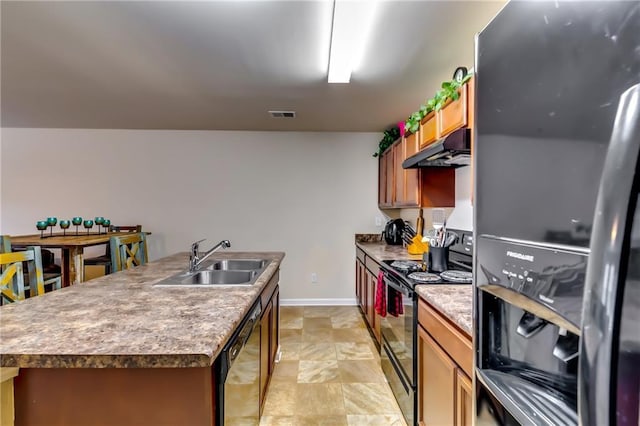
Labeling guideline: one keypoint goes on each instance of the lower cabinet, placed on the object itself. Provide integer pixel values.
(437, 381)
(269, 335)
(464, 399)
(366, 283)
(444, 365)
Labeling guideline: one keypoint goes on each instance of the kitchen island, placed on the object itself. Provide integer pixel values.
(117, 350)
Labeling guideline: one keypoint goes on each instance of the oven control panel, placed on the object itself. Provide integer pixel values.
(534, 276)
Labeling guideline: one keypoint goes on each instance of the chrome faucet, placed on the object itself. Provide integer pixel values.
(195, 260)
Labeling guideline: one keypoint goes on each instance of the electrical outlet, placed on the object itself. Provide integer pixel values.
(314, 277)
(378, 221)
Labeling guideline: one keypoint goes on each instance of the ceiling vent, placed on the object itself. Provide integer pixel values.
(283, 114)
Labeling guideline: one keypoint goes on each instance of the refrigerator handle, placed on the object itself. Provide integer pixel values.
(603, 270)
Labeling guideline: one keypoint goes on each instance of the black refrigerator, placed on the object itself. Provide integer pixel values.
(556, 218)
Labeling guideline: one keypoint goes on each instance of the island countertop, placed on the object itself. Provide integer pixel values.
(122, 321)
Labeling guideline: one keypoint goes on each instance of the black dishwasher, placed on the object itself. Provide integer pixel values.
(237, 374)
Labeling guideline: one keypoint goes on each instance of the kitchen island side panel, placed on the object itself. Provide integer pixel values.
(114, 396)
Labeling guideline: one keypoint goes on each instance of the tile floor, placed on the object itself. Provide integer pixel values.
(329, 373)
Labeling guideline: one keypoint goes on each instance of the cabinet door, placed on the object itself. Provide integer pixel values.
(357, 281)
(454, 115)
(464, 402)
(382, 180)
(398, 199)
(361, 283)
(265, 328)
(436, 383)
(372, 281)
(274, 334)
(428, 130)
(388, 195)
(371, 298)
(411, 176)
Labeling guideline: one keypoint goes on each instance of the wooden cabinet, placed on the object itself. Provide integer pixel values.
(400, 188)
(269, 334)
(366, 283)
(464, 399)
(265, 330)
(454, 115)
(398, 173)
(445, 363)
(386, 179)
(385, 193)
(437, 380)
(428, 130)
(361, 278)
(407, 180)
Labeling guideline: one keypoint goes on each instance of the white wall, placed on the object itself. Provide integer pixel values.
(306, 194)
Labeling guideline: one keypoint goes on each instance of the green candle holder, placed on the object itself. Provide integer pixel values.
(64, 224)
(88, 224)
(42, 226)
(51, 221)
(99, 220)
(77, 221)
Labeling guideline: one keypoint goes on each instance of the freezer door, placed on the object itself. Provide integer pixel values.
(608, 381)
(627, 387)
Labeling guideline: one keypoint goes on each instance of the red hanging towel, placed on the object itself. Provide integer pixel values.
(399, 304)
(381, 302)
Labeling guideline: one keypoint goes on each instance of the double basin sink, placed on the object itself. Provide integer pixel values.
(219, 273)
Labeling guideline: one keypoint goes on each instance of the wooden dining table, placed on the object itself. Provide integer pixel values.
(72, 247)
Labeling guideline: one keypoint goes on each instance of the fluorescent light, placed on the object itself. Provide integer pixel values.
(352, 22)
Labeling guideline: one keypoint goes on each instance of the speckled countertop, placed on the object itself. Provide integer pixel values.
(453, 301)
(380, 251)
(122, 321)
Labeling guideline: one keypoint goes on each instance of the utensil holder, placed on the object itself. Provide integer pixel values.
(437, 259)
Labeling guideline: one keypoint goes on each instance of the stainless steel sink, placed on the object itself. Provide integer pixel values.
(239, 265)
(215, 277)
(234, 272)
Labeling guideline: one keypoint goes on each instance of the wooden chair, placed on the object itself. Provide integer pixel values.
(105, 259)
(128, 251)
(52, 280)
(12, 287)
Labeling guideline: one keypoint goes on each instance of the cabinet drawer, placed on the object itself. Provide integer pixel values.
(372, 266)
(269, 289)
(360, 255)
(454, 115)
(453, 341)
(428, 130)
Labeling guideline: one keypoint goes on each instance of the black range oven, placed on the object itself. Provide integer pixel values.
(398, 325)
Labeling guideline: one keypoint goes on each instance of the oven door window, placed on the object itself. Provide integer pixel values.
(397, 329)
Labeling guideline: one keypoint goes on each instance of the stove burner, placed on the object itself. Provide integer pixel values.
(424, 277)
(457, 276)
(405, 265)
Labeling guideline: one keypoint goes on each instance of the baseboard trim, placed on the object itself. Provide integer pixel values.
(318, 302)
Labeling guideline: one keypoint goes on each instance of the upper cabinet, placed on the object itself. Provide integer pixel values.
(425, 187)
(405, 188)
(454, 115)
(385, 179)
(428, 130)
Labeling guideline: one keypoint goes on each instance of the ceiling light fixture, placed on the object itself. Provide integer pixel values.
(352, 22)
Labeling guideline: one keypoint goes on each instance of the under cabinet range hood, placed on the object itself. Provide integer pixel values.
(454, 150)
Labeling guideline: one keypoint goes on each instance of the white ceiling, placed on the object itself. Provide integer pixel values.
(221, 65)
